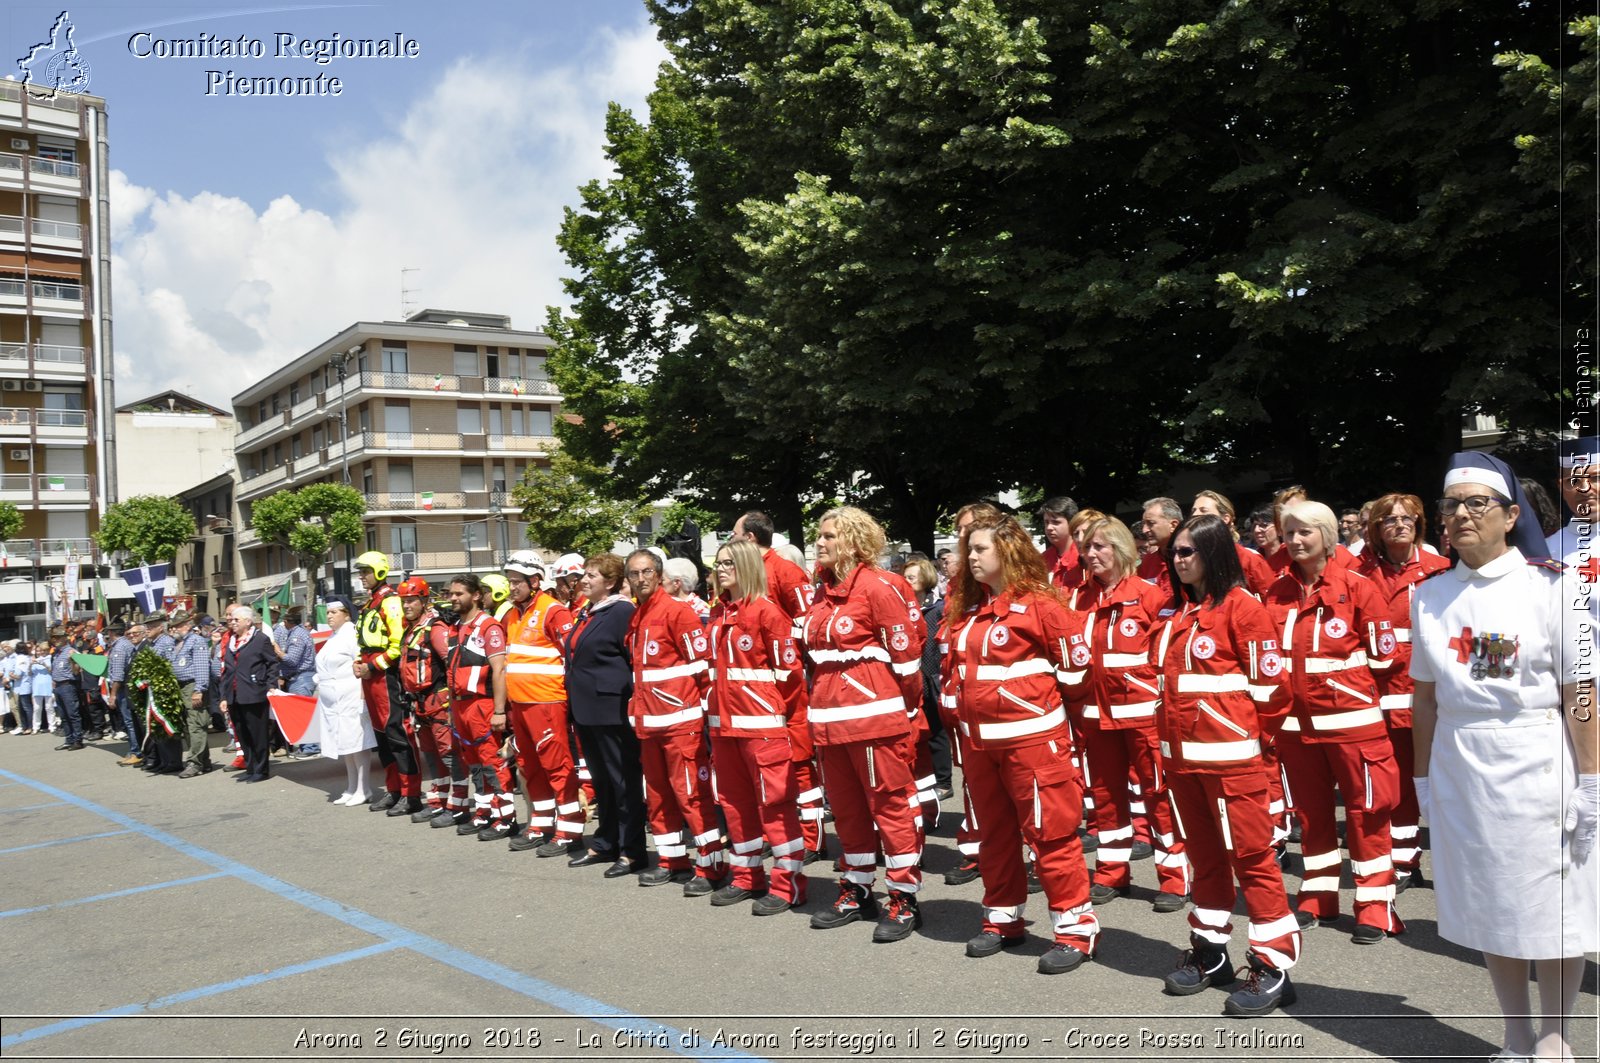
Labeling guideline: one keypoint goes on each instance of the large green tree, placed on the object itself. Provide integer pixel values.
(904, 252)
(310, 521)
(145, 528)
(565, 514)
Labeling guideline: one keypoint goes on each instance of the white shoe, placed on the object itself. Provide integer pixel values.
(357, 799)
(16, 730)
(344, 798)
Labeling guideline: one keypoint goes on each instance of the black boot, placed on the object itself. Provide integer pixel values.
(1201, 965)
(1266, 989)
(854, 902)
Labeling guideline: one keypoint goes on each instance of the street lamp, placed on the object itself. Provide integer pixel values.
(341, 362)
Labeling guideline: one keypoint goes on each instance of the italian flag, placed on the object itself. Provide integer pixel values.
(151, 715)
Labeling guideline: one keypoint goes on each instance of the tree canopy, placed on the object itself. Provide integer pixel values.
(146, 528)
(565, 514)
(11, 520)
(311, 520)
(907, 252)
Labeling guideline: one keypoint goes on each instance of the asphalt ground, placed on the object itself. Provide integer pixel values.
(149, 917)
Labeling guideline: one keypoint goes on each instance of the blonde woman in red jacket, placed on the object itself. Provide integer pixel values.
(757, 685)
(1014, 645)
(864, 635)
(1118, 724)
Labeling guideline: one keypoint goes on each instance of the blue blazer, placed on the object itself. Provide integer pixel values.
(599, 671)
(249, 671)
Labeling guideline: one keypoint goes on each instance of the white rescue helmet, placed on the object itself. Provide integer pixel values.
(567, 565)
(527, 563)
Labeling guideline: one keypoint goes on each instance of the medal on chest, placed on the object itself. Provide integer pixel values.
(1487, 655)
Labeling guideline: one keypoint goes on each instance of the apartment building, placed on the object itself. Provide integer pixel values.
(169, 442)
(432, 418)
(56, 396)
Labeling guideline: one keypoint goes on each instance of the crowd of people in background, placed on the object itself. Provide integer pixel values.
(1177, 688)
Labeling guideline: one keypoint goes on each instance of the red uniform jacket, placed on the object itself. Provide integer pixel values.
(756, 679)
(1258, 575)
(1333, 633)
(1123, 687)
(864, 635)
(1397, 585)
(787, 585)
(1012, 667)
(669, 650)
(1223, 685)
(1065, 567)
(1153, 570)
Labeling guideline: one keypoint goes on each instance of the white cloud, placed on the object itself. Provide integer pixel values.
(210, 295)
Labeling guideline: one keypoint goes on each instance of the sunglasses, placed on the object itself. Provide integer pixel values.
(1182, 552)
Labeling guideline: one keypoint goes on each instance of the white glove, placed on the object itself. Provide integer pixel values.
(1583, 816)
(1423, 786)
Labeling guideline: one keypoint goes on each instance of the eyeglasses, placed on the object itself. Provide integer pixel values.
(1396, 522)
(1181, 552)
(1476, 506)
(725, 563)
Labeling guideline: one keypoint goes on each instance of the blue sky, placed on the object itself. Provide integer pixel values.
(248, 229)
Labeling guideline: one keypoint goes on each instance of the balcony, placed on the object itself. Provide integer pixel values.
(427, 383)
(63, 489)
(523, 444)
(56, 175)
(63, 299)
(56, 551)
(516, 386)
(307, 463)
(265, 481)
(14, 552)
(48, 362)
(61, 426)
(414, 501)
(301, 410)
(16, 424)
(46, 235)
(16, 488)
(248, 538)
(430, 441)
(256, 433)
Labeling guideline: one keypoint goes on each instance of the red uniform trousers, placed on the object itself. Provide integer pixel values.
(1227, 834)
(479, 751)
(395, 750)
(677, 782)
(869, 784)
(1030, 794)
(1279, 804)
(1366, 774)
(1117, 756)
(436, 752)
(1404, 831)
(545, 761)
(756, 788)
(967, 832)
(808, 804)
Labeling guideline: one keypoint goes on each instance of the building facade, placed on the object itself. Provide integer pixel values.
(169, 442)
(57, 462)
(433, 419)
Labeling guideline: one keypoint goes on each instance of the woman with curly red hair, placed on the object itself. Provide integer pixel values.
(1014, 648)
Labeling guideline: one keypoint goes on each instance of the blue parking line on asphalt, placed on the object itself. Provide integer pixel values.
(79, 1022)
(30, 808)
(559, 997)
(115, 893)
(65, 841)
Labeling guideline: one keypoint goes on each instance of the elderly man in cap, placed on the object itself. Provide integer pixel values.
(124, 645)
(191, 665)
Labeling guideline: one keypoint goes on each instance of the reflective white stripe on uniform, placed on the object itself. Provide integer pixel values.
(1018, 728)
(1203, 752)
(1371, 867)
(1390, 702)
(678, 671)
(999, 673)
(1125, 660)
(1374, 893)
(866, 653)
(858, 712)
(750, 675)
(1339, 721)
(1191, 683)
(1133, 710)
(947, 701)
(530, 668)
(756, 723)
(1324, 665)
(1402, 634)
(1070, 677)
(693, 712)
(906, 667)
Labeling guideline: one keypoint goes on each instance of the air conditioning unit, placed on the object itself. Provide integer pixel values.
(19, 454)
(33, 385)
(19, 144)
(10, 385)
(405, 562)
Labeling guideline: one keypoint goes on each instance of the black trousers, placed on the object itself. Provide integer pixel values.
(612, 751)
(252, 726)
